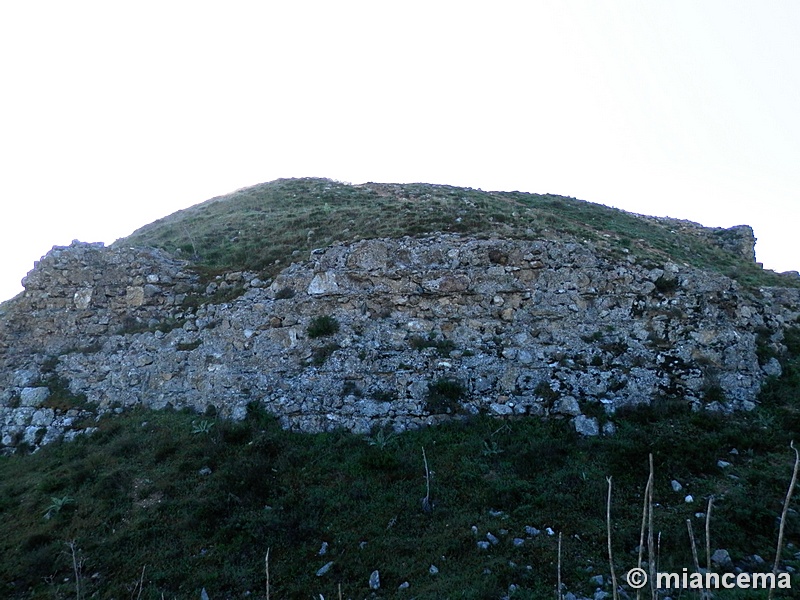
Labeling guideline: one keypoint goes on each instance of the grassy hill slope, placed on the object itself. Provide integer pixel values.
(264, 227)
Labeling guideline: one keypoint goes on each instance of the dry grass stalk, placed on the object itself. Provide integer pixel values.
(266, 568)
(139, 584)
(708, 532)
(608, 529)
(559, 594)
(651, 550)
(426, 501)
(76, 567)
(703, 593)
(647, 525)
(644, 526)
(658, 549)
(789, 492)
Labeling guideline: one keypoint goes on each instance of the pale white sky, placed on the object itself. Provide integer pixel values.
(114, 114)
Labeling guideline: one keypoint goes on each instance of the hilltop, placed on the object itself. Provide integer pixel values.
(265, 227)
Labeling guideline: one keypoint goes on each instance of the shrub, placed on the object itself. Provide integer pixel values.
(321, 354)
(61, 397)
(444, 396)
(14, 401)
(666, 285)
(714, 393)
(595, 337)
(381, 395)
(350, 388)
(284, 293)
(322, 326)
(615, 348)
(547, 393)
(791, 339)
(443, 347)
(131, 325)
(417, 342)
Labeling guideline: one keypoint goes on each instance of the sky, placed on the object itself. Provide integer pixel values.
(115, 114)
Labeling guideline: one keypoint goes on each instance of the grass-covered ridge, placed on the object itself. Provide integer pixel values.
(264, 227)
(180, 502)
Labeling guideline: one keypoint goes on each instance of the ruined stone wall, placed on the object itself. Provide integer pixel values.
(79, 294)
(427, 328)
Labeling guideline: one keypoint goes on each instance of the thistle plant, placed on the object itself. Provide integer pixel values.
(56, 504)
(381, 439)
(203, 427)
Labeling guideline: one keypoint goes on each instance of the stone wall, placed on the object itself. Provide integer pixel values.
(427, 328)
(79, 294)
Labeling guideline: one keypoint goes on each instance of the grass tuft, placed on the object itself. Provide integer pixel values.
(322, 326)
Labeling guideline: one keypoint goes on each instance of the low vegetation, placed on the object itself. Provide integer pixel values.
(445, 396)
(322, 326)
(442, 347)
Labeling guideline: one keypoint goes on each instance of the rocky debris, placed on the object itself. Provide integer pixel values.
(532, 530)
(375, 580)
(752, 564)
(428, 329)
(33, 396)
(587, 426)
(722, 559)
(772, 368)
(596, 580)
